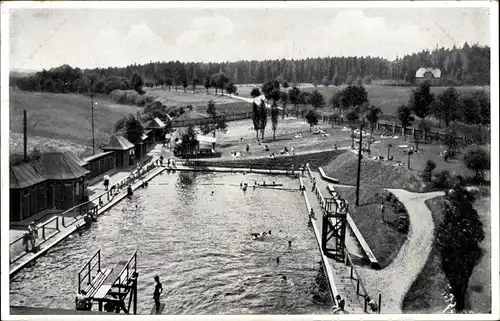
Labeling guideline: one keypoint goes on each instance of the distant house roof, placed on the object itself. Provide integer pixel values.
(118, 143)
(155, 124)
(436, 72)
(61, 166)
(24, 175)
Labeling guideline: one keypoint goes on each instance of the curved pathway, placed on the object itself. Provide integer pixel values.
(396, 279)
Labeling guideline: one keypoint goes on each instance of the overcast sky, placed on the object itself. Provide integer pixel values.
(46, 38)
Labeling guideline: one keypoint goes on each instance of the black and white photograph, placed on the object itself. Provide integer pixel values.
(274, 160)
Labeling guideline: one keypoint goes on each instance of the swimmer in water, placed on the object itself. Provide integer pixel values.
(278, 260)
(269, 232)
(290, 243)
(212, 193)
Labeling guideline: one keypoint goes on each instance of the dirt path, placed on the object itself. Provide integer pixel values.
(395, 280)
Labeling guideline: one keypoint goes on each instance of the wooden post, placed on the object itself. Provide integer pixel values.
(357, 287)
(379, 302)
(365, 304)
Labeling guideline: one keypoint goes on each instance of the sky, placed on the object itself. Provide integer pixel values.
(87, 38)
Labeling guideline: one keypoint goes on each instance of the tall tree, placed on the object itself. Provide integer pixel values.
(136, 83)
(373, 115)
(168, 82)
(188, 142)
(130, 127)
(255, 92)
(316, 99)
(295, 98)
(284, 100)
(312, 118)
(477, 160)
(274, 118)
(448, 105)
(405, 117)
(256, 118)
(207, 82)
(219, 121)
(421, 100)
(262, 117)
(457, 239)
(271, 90)
(194, 82)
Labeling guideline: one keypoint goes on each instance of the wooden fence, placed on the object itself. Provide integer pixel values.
(390, 128)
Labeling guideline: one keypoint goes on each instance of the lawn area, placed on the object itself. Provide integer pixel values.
(384, 239)
(63, 119)
(384, 173)
(285, 136)
(198, 100)
(375, 175)
(424, 295)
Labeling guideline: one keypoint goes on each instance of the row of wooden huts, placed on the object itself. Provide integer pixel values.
(58, 180)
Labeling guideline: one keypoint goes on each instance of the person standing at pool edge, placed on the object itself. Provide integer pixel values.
(156, 295)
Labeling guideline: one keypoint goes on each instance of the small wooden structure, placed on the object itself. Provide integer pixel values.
(125, 153)
(110, 287)
(334, 227)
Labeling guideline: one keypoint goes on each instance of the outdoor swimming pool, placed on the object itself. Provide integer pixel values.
(200, 246)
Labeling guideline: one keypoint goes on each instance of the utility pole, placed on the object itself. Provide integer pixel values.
(25, 135)
(92, 101)
(359, 160)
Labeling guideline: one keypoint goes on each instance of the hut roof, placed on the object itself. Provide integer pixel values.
(97, 156)
(155, 124)
(24, 175)
(61, 166)
(118, 143)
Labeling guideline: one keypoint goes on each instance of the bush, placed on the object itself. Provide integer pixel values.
(443, 179)
(478, 160)
(427, 173)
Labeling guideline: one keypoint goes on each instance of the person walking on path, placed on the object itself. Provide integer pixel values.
(156, 295)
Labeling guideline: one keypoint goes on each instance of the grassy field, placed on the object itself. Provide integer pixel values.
(240, 133)
(58, 120)
(388, 98)
(198, 100)
(424, 295)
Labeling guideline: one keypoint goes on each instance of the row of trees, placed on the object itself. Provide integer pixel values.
(466, 65)
(448, 107)
(65, 79)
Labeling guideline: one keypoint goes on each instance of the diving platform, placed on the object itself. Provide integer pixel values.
(109, 287)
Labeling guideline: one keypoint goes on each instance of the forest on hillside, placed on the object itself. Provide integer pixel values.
(469, 65)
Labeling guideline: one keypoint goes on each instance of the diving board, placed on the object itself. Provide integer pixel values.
(110, 286)
(110, 280)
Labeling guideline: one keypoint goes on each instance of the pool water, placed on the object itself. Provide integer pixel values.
(199, 244)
